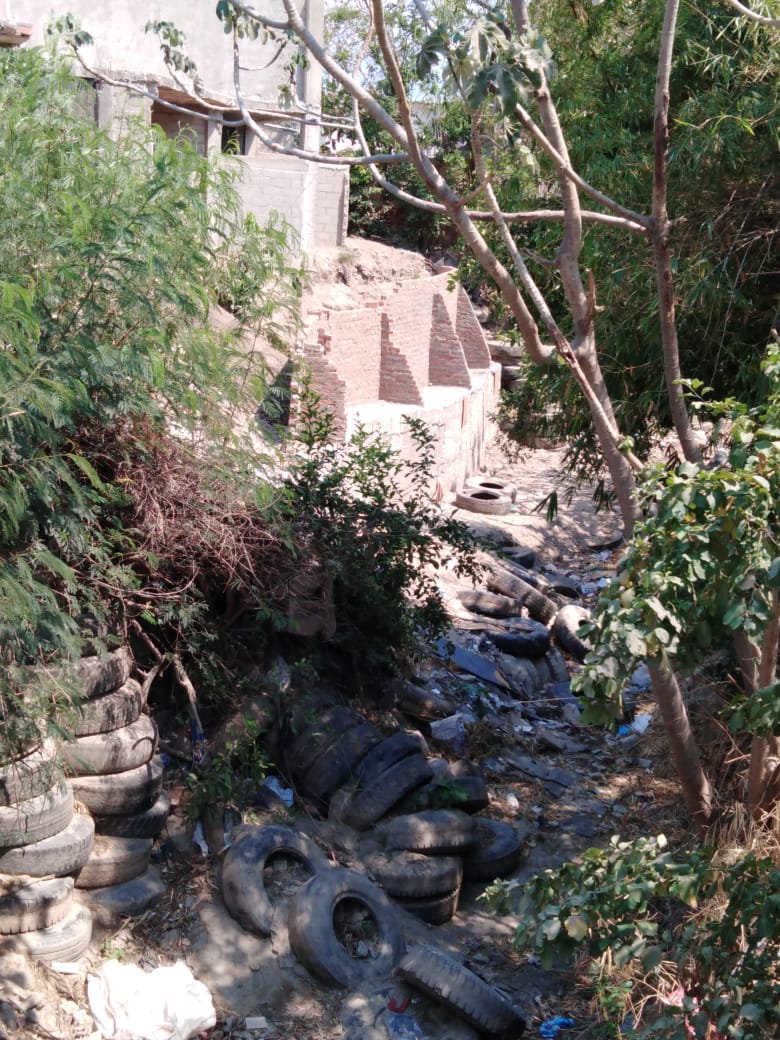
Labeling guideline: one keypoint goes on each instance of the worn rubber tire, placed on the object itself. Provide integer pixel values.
(410, 875)
(433, 909)
(336, 764)
(489, 604)
(99, 675)
(111, 905)
(543, 670)
(242, 872)
(324, 733)
(27, 904)
(557, 665)
(313, 938)
(63, 853)
(527, 639)
(65, 941)
(114, 752)
(503, 487)
(438, 832)
(146, 824)
(498, 853)
(29, 776)
(114, 860)
(450, 983)
(361, 807)
(36, 818)
(389, 752)
(564, 630)
(126, 793)
(490, 503)
(109, 711)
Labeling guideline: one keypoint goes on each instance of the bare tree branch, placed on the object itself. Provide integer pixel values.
(754, 16)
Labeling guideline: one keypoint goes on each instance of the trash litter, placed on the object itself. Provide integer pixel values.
(403, 1027)
(198, 740)
(199, 839)
(451, 733)
(285, 793)
(553, 1026)
(165, 1004)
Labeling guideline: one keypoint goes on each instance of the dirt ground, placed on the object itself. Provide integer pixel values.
(609, 787)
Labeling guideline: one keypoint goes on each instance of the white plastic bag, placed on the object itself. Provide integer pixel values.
(168, 1003)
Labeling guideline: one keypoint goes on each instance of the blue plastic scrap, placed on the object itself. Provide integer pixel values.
(553, 1026)
(403, 1027)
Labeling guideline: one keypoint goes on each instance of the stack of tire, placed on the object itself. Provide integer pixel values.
(421, 859)
(116, 774)
(42, 843)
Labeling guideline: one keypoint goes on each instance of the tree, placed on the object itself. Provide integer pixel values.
(499, 67)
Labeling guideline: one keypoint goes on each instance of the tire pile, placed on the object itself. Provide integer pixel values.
(117, 776)
(487, 495)
(317, 938)
(49, 847)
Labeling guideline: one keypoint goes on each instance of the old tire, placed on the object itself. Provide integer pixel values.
(65, 941)
(27, 904)
(132, 791)
(332, 768)
(503, 487)
(30, 776)
(99, 675)
(242, 872)
(63, 853)
(319, 736)
(440, 832)
(465, 993)
(480, 500)
(489, 604)
(564, 630)
(362, 807)
(558, 667)
(109, 710)
(410, 875)
(433, 909)
(111, 905)
(527, 639)
(146, 824)
(389, 752)
(313, 937)
(114, 860)
(498, 853)
(114, 752)
(36, 818)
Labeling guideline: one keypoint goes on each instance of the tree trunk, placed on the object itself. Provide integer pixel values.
(764, 769)
(682, 744)
(661, 234)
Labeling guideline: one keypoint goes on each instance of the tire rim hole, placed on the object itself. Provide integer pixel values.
(489, 484)
(356, 929)
(283, 874)
(489, 496)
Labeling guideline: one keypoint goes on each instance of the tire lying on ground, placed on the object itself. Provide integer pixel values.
(132, 791)
(110, 905)
(114, 860)
(112, 752)
(319, 736)
(335, 764)
(314, 940)
(503, 487)
(440, 832)
(30, 775)
(410, 875)
(480, 500)
(65, 941)
(242, 872)
(386, 754)
(146, 824)
(36, 818)
(109, 710)
(63, 853)
(361, 806)
(451, 984)
(564, 630)
(467, 793)
(433, 909)
(27, 904)
(528, 638)
(498, 853)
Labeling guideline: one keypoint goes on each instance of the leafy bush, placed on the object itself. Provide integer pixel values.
(367, 515)
(703, 941)
(111, 253)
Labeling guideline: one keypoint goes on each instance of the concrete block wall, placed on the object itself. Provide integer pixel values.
(416, 350)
